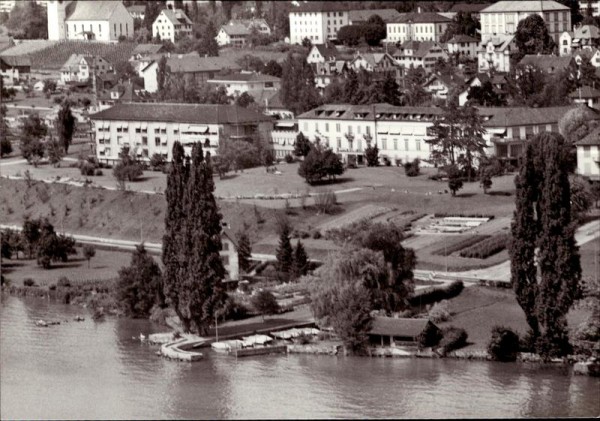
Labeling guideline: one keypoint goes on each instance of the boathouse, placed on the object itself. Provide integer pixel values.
(389, 331)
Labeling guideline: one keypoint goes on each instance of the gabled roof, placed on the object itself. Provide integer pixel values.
(181, 113)
(249, 23)
(146, 49)
(462, 38)
(585, 92)
(373, 58)
(592, 139)
(587, 32)
(500, 42)
(448, 80)
(420, 48)
(389, 326)
(320, 6)
(426, 17)
(176, 16)
(388, 15)
(522, 116)
(93, 10)
(547, 63)
(191, 63)
(234, 29)
(246, 77)
(327, 50)
(524, 6)
(16, 61)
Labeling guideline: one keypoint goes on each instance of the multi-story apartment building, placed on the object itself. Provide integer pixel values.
(401, 133)
(172, 25)
(463, 45)
(503, 17)
(149, 128)
(318, 21)
(105, 21)
(417, 27)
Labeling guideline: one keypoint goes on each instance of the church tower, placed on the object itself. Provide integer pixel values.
(57, 14)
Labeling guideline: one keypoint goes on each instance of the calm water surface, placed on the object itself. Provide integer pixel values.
(96, 370)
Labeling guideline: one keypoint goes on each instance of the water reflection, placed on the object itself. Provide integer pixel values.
(97, 370)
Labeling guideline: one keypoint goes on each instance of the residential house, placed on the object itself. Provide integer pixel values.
(122, 92)
(101, 20)
(419, 54)
(79, 68)
(586, 95)
(259, 25)
(588, 156)
(595, 5)
(390, 331)
(549, 64)
(149, 128)
(593, 56)
(417, 27)
(503, 17)
(252, 83)
(318, 21)
(144, 50)
(192, 66)
(374, 62)
(106, 81)
(468, 8)
(463, 45)
(137, 11)
(358, 17)
(172, 25)
(440, 85)
(327, 73)
(565, 42)
(321, 53)
(586, 37)
(494, 53)
(14, 68)
(234, 34)
(497, 80)
(509, 128)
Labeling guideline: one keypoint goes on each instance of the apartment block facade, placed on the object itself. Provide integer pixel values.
(317, 21)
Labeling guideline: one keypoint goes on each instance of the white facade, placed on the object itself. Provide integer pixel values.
(149, 73)
(171, 25)
(583, 5)
(237, 87)
(588, 161)
(81, 69)
(564, 43)
(494, 53)
(429, 31)
(317, 26)
(463, 47)
(503, 17)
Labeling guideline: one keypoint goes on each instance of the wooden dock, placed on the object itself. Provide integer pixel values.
(263, 350)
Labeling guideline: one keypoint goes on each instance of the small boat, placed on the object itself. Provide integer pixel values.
(41, 323)
(227, 346)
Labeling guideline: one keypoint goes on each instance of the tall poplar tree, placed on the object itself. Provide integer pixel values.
(545, 263)
(65, 125)
(192, 242)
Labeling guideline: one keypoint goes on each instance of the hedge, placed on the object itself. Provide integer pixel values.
(504, 344)
(466, 242)
(486, 248)
(453, 338)
(438, 294)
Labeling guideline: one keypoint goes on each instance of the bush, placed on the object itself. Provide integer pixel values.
(234, 310)
(439, 312)
(504, 344)
(411, 169)
(316, 234)
(64, 282)
(486, 248)
(453, 338)
(29, 282)
(98, 172)
(326, 202)
(466, 242)
(429, 337)
(437, 294)
(289, 159)
(87, 168)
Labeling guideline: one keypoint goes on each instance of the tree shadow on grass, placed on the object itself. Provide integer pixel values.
(499, 193)
(327, 182)
(227, 177)
(465, 195)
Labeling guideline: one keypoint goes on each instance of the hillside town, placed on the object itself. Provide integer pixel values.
(413, 179)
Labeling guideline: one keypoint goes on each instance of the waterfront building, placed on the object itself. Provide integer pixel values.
(149, 128)
(390, 331)
(172, 25)
(104, 21)
(503, 17)
(417, 27)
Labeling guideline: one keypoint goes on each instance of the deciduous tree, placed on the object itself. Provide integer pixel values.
(139, 283)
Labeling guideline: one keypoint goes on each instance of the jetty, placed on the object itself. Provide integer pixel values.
(181, 349)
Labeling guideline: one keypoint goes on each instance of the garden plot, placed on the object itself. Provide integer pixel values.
(364, 212)
(454, 224)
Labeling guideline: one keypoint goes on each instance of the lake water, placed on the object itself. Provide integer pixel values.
(97, 370)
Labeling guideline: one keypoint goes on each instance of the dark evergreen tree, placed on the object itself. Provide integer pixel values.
(244, 249)
(161, 77)
(138, 287)
(300, 265)
(372, 155)
(65, 126)
(151, 12)
(302, 145)
(298, 90)
(546, 281)
(285, 252)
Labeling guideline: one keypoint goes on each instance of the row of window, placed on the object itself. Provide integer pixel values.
(308, 14)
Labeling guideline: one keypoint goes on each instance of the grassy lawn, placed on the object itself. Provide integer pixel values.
(105, 265)
(478, 309)
(590, 258)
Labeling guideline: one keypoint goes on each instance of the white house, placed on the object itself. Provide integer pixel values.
(252, 83)
(419, 54)
(503, 17)
(318, 21)
(104, 21)
(374, 62)
(463, 45)
(417, 27)
(172, 25)
(78, 68)
(565, 42)
(588, 156)
(494, 53)
(234, 34)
